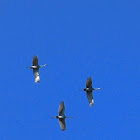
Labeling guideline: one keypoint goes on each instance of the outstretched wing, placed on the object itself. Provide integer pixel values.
(89, 83)
(35, 61)
(36, 75)
(62, 124)
(61, 111)
(90, 98)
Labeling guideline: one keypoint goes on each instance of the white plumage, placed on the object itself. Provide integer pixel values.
(35, 66)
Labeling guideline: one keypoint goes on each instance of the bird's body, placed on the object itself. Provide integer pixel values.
(61, 116)
(89, 90)
(35, 66)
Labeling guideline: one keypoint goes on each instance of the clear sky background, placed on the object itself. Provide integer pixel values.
(77, 39)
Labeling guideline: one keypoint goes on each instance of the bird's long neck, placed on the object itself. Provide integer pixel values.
(97, 88)
(54, 116)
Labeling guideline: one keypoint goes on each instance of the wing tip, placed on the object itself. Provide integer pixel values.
(90, 77)
(62, 102)
(35, 55)
(63, 129)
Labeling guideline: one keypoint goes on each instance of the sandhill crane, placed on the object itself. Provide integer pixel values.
(89, 90)
(35, 66)
(61, 116)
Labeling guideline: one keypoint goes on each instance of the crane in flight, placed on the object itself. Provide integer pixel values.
(61, 116)
(35, 66)
(89, 90)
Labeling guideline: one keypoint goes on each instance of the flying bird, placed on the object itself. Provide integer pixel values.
(35, 66)
(89, 90)
(61, 116)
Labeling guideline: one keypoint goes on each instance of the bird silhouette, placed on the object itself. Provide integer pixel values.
(35, 66)
(61, 116)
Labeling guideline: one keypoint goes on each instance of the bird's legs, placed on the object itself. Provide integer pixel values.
(43, 65)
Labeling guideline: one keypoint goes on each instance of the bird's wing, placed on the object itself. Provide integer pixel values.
(62, 124)
(90, 98)
(35, 61)
(89, 83)
(36, 75)
(61, 110)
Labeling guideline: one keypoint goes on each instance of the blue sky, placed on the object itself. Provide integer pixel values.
(77, 39)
